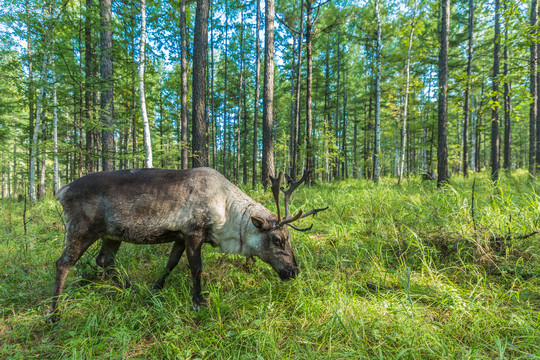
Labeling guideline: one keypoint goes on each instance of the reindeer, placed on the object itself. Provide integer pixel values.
(186, 207)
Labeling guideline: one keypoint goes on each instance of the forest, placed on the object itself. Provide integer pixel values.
(416, 122)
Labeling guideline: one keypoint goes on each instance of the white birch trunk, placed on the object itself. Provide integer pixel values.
(55, 131)
(406, 105)
(37, 124)
(146, 126)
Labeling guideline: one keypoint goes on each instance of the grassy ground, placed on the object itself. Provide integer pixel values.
(387, 272)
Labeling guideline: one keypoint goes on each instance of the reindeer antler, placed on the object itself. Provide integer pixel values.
(276, 184)
(292, 186)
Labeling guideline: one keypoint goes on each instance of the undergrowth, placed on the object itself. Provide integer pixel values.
(388, 271)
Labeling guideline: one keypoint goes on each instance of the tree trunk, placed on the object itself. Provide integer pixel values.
(213, 120)
(225, 83)
(406, 104)
(507, 103)
(268, 94)
(442, 142)
(466, 106)
(148, 161)
(533, 88)
(336, 123)
(355, 147)
(89, 93)
(495, 139)
(377, 146)
(107, 104)
(239, 115)
(37, 124)
(256, 111)
(184, 146)
(310, 159)
(296, 126)
(200, 43)
(56, 176)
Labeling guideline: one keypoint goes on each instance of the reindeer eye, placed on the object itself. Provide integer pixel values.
(276, 241)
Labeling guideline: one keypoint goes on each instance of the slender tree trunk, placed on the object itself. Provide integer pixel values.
(268, 94)
(326, 111)
(336, 127)
(184, 89)
(355, 147)
(37, 124)
(466, 107)
(377, 146)
(15, 183)
(406, 104)
(89, 93)
(214, 142)
(148, 161)
(56, 176)
(442, 143)
(495, 139)
(200, 43)
(107, 105)
(507, 102)
(533, 88)
(256, 112)
(225, 83)
(296, 126)
(30, 72)
(239, 115)
(310, 158)
(344, 158)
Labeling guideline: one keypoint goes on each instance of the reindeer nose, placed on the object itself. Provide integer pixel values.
(289, 273)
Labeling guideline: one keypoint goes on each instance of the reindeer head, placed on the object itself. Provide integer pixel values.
(274, 235)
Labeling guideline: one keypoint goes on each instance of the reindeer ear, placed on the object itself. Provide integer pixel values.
(260, 223)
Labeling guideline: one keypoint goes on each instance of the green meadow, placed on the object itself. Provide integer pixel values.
(388, 272)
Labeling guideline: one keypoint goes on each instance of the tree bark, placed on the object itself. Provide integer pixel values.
(107, 102)
(148, 161)
(239, 115)
(406, 104)
(89, 92)
(296, 126)
(442, 142)
(533, 88)
(310, 159)
(495, 139)
(466, 106)
(377, 146)
(200, 43)
(507, 103)
(256, 111)
(56, 176)
(184, 146)
(268, 94)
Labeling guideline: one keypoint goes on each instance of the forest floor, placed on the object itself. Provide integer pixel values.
(387, 272)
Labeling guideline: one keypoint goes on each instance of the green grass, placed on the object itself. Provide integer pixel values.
(387, 272)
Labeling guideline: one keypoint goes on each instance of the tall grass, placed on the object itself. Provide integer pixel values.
(387, 272)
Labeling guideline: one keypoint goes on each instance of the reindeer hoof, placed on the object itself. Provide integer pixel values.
(51, 318)
(198, 302)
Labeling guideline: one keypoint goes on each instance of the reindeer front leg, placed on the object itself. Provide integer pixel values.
(193, 251)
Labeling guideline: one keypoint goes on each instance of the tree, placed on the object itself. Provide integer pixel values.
(310, 166)
(107, 102)
(507, 102)
(377, 147)
(406, 104)
(466, 105)
(442, 145)
(256, 102)
(184, 87)
(533, 88)
(495, 140)
(268, 94)
(148, 162)
(200, 43)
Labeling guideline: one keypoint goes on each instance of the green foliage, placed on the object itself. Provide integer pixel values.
(388, 272)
